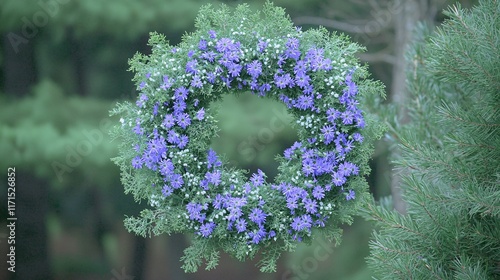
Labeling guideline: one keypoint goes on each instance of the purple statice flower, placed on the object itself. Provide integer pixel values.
(357, 137)
(310, 205)
(168, 121)
(261, 45)
(202, 45)
(137, 162)
(176, 181)
(213, 177)
(179, 106)
(166, 191)
(183, 120)
(181, 93)
(257, 216)
(258, 179)
(351, 195)
(206, 229)
(332, 114)
(304, 102)
(212, 34)
(210, 56)
(301, 223)
(254, 68)
(328, 133)
(241, 225)
(142, 100)
(200, 115)
(337, 179)
(183, 141)
(191, 66)
(213, 159)
(318, 192)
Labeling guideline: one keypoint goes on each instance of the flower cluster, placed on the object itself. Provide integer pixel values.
(173, 128)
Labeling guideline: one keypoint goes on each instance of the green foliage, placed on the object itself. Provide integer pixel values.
(55, 130)
(450, 160)
(169, 69)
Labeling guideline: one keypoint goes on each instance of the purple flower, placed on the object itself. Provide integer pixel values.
(137, 162)
(176, 181)
(213, 177)
(337, 179)
(283, 81)
(196, 82)
(234, 69)
(310, 205)
(224, 45)
(166, 191)
(318, 192)
(332, 114)
(168, 121)
(206, 229)
(173, 137)
(304, 102)
(167, 83)
(347, 117)
(350, 195)
(179, 106)
(191, 66)
(183, 120)
(166, 168)
(254, 68)
(241, 225)
(142, 100)
(212, 34)
(194, 211)
(301, 223)
(262, 45)
(210, 56)
(257, 216)
(213, 159)
(258, 179)
(357, 137)
(202, 45)
(200, 115)
(328, 133)
(183, 141)
(138, 129)
(302, 80)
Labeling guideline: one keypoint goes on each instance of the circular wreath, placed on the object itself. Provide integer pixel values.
(165, 155)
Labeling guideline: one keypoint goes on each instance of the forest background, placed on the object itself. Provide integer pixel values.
(63, 67)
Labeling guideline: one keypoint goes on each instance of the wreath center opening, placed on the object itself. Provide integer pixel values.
(253, 130)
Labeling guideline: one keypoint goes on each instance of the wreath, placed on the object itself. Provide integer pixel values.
(165, 155)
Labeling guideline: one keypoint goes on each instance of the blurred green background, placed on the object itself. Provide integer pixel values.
(64, 66)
